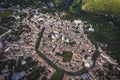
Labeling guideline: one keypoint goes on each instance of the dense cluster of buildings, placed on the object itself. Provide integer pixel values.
(58, 36)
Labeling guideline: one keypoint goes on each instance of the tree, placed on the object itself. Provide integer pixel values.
(75, 7)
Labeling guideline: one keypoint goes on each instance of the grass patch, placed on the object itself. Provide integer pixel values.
(58, 2)
(4, 14)
(67, 55)
(21, 13)
(102, 6)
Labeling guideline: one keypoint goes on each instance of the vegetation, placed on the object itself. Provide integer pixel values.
(71, 43)
(2, 31)
(17, 33)
(57, 76)
(91, 36)
(106, 30)
(95, 55)
(27, 66)
(5, 14)
(2, 65)
(39, 39)
(112, 71)
(44, 78)
(58, 2)
(58, 53)
(102, 6)
(21, 13)
(96, 6)
(67, 55)
(7, 22)
(36, 73)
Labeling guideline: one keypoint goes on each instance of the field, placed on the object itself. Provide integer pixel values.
(102, 6)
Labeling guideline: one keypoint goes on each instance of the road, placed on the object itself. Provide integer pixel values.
(5, 33)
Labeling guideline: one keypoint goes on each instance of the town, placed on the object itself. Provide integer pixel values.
(42, 46)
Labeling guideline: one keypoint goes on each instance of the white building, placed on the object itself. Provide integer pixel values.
(50, 4)
(91, 29)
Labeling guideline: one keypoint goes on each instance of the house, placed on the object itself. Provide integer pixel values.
(51, 4)
(61, 14)
(77, 22)
(17, 17)
(91, 29)
(40, 19)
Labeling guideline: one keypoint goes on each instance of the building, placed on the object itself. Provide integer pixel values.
(91, 29)
(51, 4)
(18, 76)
